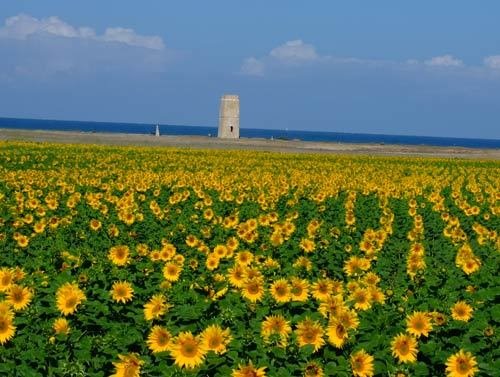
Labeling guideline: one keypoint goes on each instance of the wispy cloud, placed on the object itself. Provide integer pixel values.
(24, 26)
(293, 53)
(492, 61)
(41, 48)
(444, 61)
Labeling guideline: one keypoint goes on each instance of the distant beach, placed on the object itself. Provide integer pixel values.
(260, 144)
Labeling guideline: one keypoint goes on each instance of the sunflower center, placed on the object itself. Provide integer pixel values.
(3, 326)
(462, 365)
(214, 342)
(71, 302)
(404, 348)
(297, 290)
(340, 330)
(163, 339)
(253, 288)
(189, 348)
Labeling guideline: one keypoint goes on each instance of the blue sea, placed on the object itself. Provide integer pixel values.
(168, 129)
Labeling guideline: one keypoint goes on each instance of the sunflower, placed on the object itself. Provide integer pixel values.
(419, 323)
(348, 317)
(331, 306)
(362, 298)
(471, 265)
(187, 350)
(461, 364)
(119, 255)
(362, 364)
(61, 326)
(122, 291)
(159, 339)
(7, 329)
(276, 325)
(337, 333)
(313, 369)
(237, 276)
(321, 289)
(171, 272)
(68, 297)
(155, 307)
(310, 332)
(299, 289)
(280, 291)
(19, 297)
(249, 371)
(404, 347)
(95, 225)
(215, 339)
(244, 258)
(128, 366)
(212, 261)
(307, 245)
(6, 278)
(461, 311)
(253, 289)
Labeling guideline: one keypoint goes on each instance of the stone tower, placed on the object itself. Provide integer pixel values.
(229, 117)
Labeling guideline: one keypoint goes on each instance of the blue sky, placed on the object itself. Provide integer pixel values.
(412, 68)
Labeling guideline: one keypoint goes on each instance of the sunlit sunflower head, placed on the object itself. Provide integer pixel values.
(249, 371)
(68, 297)
(61, 326)
(337, 333)
(122, 291)
(7, 328)
(321, 289)
(362, 298)
(470, 265)
(19, 297)
(331, 306)
(299, 289)
(237, 275)
(404, 348)
(461, 311)
(5, 309)
(461, 364)
(6, 278)
(212, 261)
(128, 366)
(418, 324)
(95, 225)
(362, 364)
(253, 289)
(276, 327)
(159, 339)
(155, 307)
(216, 339)
(172, 271)
(280, 291)
(119, 255)
(244, 258)
(187, 351)
(310, 332)
(313, 369)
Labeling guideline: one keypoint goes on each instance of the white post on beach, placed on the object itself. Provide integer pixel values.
(157, 131)
(229, 117)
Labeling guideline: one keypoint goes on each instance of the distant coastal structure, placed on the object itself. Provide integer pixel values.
(157, 130)
(229, 117)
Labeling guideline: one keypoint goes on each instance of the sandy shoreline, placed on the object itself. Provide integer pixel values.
(205, 142)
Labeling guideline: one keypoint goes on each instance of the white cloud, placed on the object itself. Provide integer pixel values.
(492, 61)
(444, 61)
(25, 26)
(252, 67)
(294, 51)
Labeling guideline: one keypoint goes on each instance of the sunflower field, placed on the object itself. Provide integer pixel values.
(134, 261)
